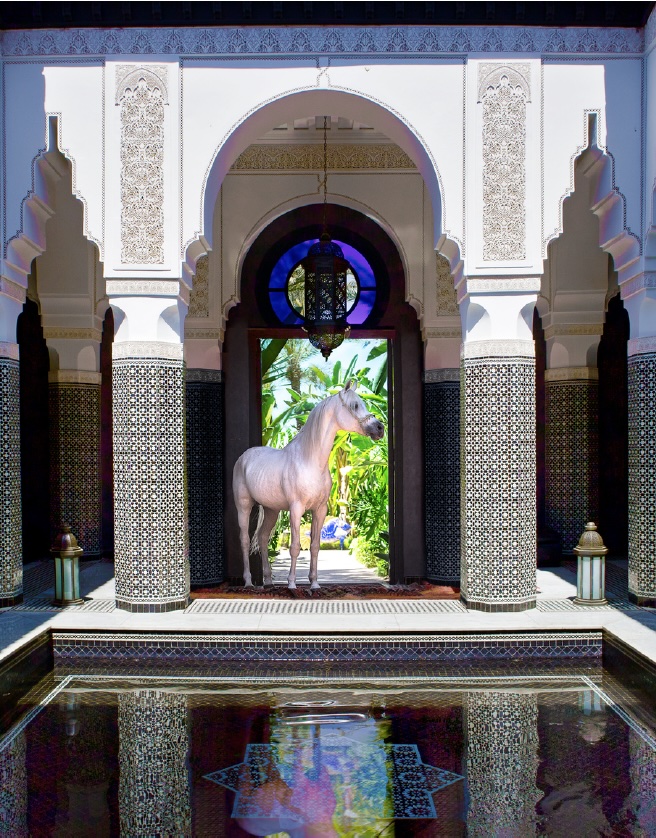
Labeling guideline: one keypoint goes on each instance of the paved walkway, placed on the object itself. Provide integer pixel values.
(336, 567)
(555, 612)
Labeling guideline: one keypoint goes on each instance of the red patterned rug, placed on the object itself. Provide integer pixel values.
(417, 590)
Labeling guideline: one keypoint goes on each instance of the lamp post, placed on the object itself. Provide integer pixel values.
(66, 553)
(591, 568)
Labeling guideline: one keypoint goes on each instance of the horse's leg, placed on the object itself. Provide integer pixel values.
(318, 517)
(295, 514)
(268, 522)
(244, 516)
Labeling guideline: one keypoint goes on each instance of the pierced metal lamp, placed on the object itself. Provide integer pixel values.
(326, 280)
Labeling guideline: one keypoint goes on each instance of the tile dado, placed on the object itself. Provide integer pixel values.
(442, 499)
(11, 552)
(385, 648)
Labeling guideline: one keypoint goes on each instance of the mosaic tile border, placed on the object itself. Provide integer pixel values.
(70, 645)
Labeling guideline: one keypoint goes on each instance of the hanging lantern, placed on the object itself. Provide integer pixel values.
(326, 272)
(329, 280)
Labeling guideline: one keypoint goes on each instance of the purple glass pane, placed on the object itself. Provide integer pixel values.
(363, 308)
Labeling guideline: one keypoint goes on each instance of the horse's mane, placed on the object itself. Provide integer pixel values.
(309, 433)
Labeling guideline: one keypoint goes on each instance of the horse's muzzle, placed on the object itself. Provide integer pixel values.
(376, 430)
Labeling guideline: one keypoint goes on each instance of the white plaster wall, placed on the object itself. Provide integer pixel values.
(650, 156)
(224, 105)
(75, 94)
(251, 201)
(571, 89)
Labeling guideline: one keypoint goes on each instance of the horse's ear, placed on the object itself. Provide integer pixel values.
(348, 384)
(351, 384)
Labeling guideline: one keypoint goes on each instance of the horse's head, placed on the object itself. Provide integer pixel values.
(353, 414)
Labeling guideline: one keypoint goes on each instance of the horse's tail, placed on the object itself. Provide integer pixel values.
(254, 543)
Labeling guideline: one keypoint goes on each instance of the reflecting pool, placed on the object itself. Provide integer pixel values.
(481, 756)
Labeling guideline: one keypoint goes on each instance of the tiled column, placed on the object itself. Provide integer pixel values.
(572, 451)
(502, 760)
(11, 547)
(642, 470)
(150, 513)
(13, 789)
(75, 485)
(498, 475)
(154, 793)
(204, 406)
(442, 454)
(642, 799)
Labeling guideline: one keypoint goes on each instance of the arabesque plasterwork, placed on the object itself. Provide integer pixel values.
(504, 94)
(199, 298)
(261, 157)
(447, 301)
(141, 95)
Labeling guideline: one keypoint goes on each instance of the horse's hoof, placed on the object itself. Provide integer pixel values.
(291, 586)
(315, 586)
(249, 584)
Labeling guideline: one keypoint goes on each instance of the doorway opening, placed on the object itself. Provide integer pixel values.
(294, 379)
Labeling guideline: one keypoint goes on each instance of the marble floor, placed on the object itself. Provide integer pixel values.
(555, 611)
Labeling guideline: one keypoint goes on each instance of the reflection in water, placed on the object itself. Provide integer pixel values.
(642, 800)
(13, 789)
(154, 781)
(502, 762)
(330, 775)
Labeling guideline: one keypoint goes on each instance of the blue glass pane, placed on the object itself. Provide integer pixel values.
(291, 257)
(363, 308)
(287, 261)
(282, 309)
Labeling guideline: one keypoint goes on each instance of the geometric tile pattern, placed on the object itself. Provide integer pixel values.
(502, 761)
(498, 512)
(204, 407)
(400, 785)
(442, 480)
(335, 607)
(75, 486)
(154, 793)
(642, 476)
(642, 799)
(150, 513)
(11, 550)
(572, 458)
(70, 646)
(13, 789)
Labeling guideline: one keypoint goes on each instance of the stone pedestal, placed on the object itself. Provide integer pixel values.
(11, 552)
(154, 794)
(204, 408)
(572, 451)
(442, 453)
(75, 484)
(642, 473)
(151, 542)
(502, 761)
(498, 475)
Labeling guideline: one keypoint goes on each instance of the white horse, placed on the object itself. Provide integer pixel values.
(296, 478)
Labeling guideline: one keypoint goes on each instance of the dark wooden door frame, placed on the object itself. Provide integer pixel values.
(396, 321)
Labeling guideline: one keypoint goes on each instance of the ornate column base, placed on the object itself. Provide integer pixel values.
(642, 476)
(75, 486)
(442, 455)
(204, 406)
(11, 546)
(498, 480)
(572, 451)
(151, 541)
